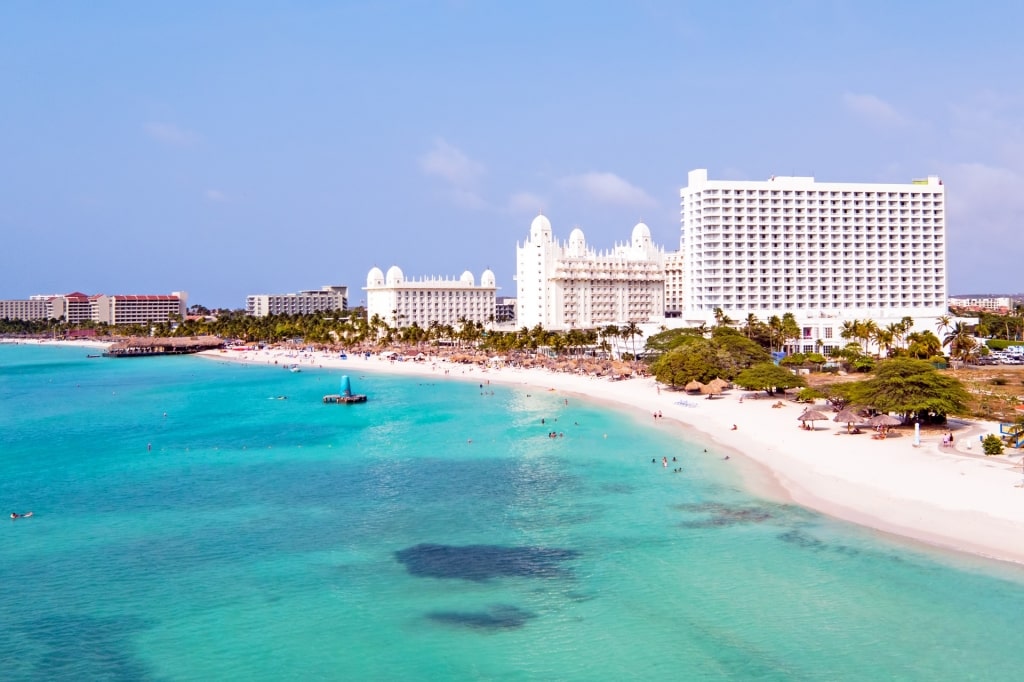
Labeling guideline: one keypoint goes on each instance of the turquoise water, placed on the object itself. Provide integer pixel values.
(267, 539)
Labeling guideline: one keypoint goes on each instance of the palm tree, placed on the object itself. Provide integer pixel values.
(749, 324)
(960, 341)
(774, 329)
(923, 345)
(721, 319)
(943, 323)
(790, 329)
(631, 331)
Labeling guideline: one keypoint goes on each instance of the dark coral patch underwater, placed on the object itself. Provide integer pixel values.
(483, 562)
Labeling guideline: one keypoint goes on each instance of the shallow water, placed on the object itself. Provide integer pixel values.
(265, 538)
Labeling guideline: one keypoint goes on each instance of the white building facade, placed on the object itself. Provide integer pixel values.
(826, 252)
(26, 309)
(572, 286)
(990, 304)
(402, 302)
(325, 299)
(75, 308)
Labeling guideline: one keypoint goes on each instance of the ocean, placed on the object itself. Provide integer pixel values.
(199, 520)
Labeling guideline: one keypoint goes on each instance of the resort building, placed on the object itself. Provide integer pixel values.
(21, 309)
(402, 302)
(505, 310)
(325, 299)
(826, 252)
(988, 304)
(75, 308)
(570, 285)
(141, 309)
(674, 284)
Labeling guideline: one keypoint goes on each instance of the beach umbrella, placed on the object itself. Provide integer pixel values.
(693, 386)
(719, 382)
(811, 416)
(884, 420)
(710, 390)
(847, 416)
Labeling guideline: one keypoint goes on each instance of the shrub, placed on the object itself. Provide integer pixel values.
(807, 395)
(992, 445)
(1002, 344)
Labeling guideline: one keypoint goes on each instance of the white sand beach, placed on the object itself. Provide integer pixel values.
(954, 498)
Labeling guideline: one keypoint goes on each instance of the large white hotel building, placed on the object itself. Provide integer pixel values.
(569, 285)
(402, 302)
(326, 299)
(118, 309)
(826, 252)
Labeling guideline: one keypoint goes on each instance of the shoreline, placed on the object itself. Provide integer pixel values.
(952, 499)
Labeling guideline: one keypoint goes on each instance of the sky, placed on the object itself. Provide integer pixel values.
(233, 148)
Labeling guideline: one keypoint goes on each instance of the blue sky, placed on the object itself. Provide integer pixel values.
(265, 147)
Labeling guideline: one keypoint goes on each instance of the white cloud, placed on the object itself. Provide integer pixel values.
(168, 133)
(873, 109)
(608, 188)
(526, 202)
(451, 164)
(215, 195)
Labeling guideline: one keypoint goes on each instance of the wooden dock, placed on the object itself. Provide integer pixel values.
(148, 346)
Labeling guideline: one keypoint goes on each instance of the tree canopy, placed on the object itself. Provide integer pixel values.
(695, 359)
(768, 377)
(911, 388)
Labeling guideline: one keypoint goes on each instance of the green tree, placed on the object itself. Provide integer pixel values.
(697, 359)
(923, 345)
(768, 377)
(911, 388)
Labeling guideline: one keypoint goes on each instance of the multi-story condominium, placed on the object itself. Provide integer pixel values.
(505, 310)
(569, 285)
(989, 304)
(402, 302)
(325, 299)
(77, 307)
(141, 309)
(826, 252)
(674, 284)
(31, 309)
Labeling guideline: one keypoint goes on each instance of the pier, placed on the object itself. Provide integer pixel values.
(148, 346)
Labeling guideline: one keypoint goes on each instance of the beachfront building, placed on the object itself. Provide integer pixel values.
(570, 285)
(402, 302)
(26, 309)
(76, 308)
(505, 310)
(325, 299)
(990, 304)
(826, 252)
(674, 284)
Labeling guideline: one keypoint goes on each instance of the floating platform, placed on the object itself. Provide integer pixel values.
(344, 399)
(346, 396)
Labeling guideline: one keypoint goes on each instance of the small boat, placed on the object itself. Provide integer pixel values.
(293, 368)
